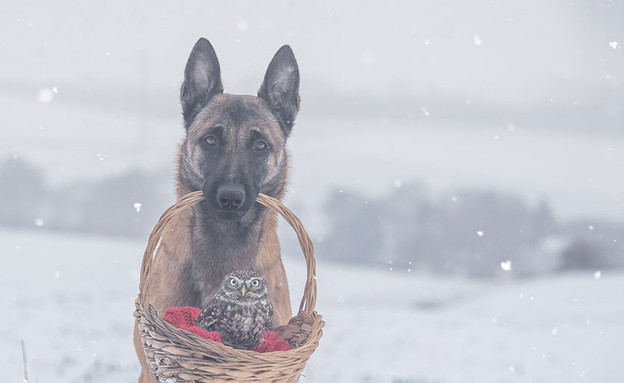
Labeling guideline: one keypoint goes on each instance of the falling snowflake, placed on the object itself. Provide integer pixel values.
(477, 40)
(480, 233)
(39, 222)
(425, 111)
(242, 25)
(597, 274)
(613, 44)
(45, 95)
(137, 206)
(505, 265)
(398, 183)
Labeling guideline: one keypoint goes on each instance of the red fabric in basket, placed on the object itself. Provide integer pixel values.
(184, 318)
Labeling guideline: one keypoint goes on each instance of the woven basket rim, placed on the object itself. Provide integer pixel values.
(308, 300)
(268, 357)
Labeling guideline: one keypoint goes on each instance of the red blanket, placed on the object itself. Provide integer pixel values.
(184, 318)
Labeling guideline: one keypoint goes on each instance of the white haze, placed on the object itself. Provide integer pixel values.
(523, 98)
(548, 70)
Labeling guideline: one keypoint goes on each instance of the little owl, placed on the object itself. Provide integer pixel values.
(241, 311)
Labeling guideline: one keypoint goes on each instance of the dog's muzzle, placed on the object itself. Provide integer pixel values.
(230, 197)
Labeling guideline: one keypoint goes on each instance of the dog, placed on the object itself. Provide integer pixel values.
(234, 148)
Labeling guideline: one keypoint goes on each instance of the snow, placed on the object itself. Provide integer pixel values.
(242, 25)
(506, 265)
(45, 95)
(71, 298)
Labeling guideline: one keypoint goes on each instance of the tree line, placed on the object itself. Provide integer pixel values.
(478, 233)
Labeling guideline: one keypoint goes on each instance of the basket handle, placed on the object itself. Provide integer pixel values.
(308, 301)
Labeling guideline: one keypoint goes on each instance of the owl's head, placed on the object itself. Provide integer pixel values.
(244, 285)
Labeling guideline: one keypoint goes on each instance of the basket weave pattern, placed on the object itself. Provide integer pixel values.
(176, 356)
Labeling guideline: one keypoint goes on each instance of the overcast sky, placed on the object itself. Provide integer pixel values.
(511, 52)
(117, 66)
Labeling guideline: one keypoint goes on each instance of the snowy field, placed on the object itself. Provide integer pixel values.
(475, 96)
(70, 298)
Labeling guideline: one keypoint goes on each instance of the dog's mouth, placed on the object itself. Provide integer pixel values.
(230, 215)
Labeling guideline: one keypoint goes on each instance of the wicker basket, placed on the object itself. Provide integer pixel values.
(176, 355)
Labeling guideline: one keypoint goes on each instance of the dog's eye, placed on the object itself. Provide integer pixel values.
(211, 140)
(260, 145)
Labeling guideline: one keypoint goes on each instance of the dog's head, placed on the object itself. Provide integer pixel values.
(235, 145)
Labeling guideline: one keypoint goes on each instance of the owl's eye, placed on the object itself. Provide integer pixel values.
(255, 283)
(233, 282)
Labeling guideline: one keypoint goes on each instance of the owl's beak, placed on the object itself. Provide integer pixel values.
(243, 290)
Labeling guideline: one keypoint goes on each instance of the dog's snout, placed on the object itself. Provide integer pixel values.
(230, 197)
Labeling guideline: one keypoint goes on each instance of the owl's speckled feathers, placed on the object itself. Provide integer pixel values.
(241, 311)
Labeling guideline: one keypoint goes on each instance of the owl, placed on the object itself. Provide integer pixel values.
(241, 311)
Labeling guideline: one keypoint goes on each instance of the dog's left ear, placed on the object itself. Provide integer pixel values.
(280, 88)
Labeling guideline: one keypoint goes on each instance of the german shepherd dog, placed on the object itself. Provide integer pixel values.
(234, 149)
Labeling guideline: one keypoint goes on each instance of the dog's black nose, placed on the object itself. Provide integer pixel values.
(230, 197)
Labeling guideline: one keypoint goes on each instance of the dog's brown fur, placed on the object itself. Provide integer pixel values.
(209, 240)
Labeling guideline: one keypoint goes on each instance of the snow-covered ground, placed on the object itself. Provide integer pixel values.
(70, 298)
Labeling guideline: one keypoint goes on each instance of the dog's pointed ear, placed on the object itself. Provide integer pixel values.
(202, 78)
(280, 88)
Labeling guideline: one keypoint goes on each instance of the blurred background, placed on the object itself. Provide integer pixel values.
(458, 164)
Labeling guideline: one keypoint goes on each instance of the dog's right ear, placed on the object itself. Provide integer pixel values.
(202, 79)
